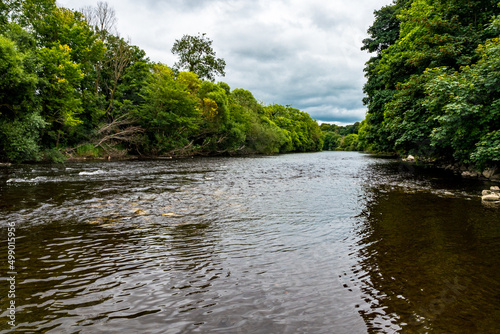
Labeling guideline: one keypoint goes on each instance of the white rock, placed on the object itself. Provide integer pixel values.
(491, 198)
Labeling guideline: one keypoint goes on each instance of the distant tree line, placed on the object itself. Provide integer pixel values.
(433, 87)
(341, 138)
(71, 86)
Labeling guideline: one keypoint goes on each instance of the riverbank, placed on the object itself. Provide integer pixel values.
(491, 174)
(71, 156)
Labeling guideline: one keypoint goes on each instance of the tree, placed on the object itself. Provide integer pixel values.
(59, 82)
(466, 106)
(20, 122)
(349, 142)
(169, 114)
(426, 93)
(17, 84)
(332, 141)
(383, 33)
(69, 83)
(302, 133)
(197, 55)
(102, 18)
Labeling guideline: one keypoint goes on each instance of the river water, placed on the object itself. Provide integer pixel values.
(331, 242)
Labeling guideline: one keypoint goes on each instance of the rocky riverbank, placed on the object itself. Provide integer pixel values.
(467, 171)
(491, 174)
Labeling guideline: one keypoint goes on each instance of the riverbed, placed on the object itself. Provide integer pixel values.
(330, 242)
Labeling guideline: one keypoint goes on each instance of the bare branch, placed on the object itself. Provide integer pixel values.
(102, 18)
(115, 131)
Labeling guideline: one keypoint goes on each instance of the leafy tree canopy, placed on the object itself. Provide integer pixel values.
(432, 90)
(71, 86)
(197, 55)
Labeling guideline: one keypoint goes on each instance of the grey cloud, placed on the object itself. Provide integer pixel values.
(344, 116)
(327, 20)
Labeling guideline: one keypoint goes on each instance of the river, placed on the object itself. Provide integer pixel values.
(330, 242)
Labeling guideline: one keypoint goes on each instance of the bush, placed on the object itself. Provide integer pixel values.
(88, 150)
(19, 138)
(349, 143)
(54, 155)
(488, 150)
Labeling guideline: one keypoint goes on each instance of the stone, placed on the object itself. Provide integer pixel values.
(469, 174)
(410, 158)
(491, 198)
(486, 192)
(495, 189)
(489, 172)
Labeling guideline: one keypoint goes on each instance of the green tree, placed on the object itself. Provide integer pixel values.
(332, 141)
(70, 82)
(302, 133)
(349, 129)
(349, 143)
(383, 33)
(214, 105)
(17, 84)
(19, 138)
(197, 55)
(411, 78)
(20, 122)
(246, 114)
(466, 106)
(59, 83)
(170, 113)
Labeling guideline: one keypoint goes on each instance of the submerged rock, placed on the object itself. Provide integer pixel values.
(169, 214)
(139, 212)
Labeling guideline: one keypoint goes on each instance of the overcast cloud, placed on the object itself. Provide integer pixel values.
(300, 52)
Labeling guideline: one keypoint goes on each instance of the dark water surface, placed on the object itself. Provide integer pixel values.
(328, 242)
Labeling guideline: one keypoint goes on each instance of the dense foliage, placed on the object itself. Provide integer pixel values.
(433, 86)
(341, 138)
(71, 86)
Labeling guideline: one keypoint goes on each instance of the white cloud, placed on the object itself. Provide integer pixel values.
(300, 52)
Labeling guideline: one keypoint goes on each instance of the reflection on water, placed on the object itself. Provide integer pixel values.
(433, 265)
(429, 253)
(332, 242)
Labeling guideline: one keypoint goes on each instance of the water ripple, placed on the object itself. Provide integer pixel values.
(282, 244)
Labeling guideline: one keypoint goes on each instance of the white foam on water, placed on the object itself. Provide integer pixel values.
(97, 172)
(27, 180)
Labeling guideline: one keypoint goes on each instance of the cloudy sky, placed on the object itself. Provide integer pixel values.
(305, 53)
